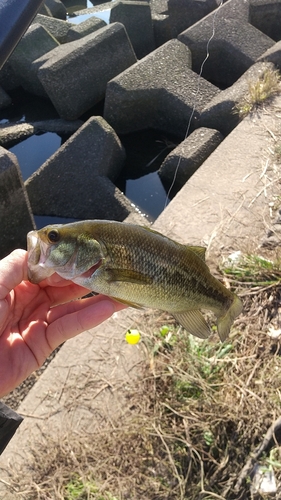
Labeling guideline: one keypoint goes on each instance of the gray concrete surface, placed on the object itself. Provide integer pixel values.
(136, 17)
(77, 180)
(56, 27)
(234, 47)
(221, 112)
(35, 43)
(5, 99)
(16, 218)
(227, 204)
(188, 156)
(85, 28)
(157, 92)
(88, 63)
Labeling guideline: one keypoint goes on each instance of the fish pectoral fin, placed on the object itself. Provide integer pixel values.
(128, 303)
(194, 323)
(129, 276)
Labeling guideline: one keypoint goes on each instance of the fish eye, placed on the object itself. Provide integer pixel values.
(53, 236)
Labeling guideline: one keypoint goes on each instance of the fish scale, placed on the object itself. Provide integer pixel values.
(137, 266)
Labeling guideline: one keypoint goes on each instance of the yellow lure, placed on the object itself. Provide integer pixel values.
(132, 336)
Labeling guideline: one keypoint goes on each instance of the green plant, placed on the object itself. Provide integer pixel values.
(80, 489)
(252, 271)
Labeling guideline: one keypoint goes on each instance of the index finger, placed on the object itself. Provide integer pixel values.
(13, 270)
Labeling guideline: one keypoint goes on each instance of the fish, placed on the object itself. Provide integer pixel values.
(137, 266)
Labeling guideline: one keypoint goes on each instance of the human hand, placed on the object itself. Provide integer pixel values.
(35, 319)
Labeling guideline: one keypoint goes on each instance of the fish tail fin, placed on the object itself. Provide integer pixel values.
(225, 321)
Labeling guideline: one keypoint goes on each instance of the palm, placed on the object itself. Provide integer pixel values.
(35, 319)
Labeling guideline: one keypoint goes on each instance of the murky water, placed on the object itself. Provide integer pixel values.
(139, 180)
(34, 151)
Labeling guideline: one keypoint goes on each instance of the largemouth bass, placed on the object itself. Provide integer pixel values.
(137, 266)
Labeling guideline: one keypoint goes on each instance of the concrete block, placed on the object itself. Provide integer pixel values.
(234, 47)
(16, 132)
(185, 13)
(136, 17)
(265, 15)
(78, 31)
(72, 5)
(5, 99)
(15, 214)
(104, 7)
(159, 6)
(13, 133)
(188, 156)
(220, 112)
(68, 183)
(56, 27)
(162, 29)
(53, 8)
(35, 43)
(8, 79)
(272, 55)
(88, 63)
(157, 92)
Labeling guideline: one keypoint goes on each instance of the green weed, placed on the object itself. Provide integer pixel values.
(80, 489)
(252, 271)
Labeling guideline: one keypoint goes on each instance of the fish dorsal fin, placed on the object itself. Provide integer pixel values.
(154, 231)
(200, 251)
(194, 323)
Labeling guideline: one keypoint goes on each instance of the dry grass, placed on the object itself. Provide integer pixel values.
(199, 411)
(259, 91)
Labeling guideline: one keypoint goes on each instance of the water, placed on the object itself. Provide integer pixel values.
(34, 151)
(147, 193)
(139, 180)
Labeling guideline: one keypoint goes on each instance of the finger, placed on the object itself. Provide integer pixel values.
(79, 321)
(13, 270)
(74, 306)
(54, 280)
(62, 294)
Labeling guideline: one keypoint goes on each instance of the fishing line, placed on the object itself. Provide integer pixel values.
(195, 97)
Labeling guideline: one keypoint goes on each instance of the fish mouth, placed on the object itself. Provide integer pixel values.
(33, 247)
(37, 255)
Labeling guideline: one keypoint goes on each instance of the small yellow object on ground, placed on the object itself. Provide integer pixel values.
(132, 336)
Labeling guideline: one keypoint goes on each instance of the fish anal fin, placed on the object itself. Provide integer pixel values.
(129, 276)
(199, 251)
(194, 323)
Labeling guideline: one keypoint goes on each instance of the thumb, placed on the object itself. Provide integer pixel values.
(13, 270)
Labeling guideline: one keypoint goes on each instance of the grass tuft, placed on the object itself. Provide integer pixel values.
(259, 91)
